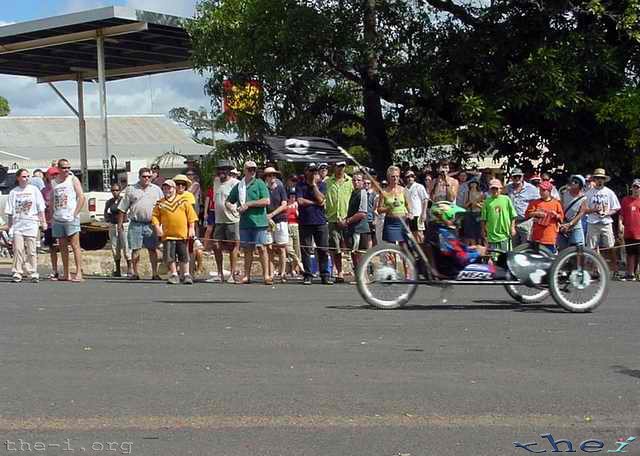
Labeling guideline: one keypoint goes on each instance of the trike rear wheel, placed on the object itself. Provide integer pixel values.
(383, 275)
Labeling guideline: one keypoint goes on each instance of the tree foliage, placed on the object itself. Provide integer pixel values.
(197, 121)
(5, 109)
(556, 80)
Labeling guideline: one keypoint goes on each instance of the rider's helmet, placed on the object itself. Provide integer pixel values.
(446, 211)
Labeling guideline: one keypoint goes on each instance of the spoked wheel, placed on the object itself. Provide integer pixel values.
(382, 276)
(579, 281)
(523, 293)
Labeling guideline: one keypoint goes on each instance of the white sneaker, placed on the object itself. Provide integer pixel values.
(17, 278)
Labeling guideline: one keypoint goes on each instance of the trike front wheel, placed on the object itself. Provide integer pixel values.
(386, 277)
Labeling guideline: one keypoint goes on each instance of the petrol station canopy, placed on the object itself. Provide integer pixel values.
(64, 47)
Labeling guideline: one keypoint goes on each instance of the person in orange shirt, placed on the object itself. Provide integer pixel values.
(174, 221)
(547, 215)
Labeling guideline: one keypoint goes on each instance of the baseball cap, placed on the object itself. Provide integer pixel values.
(53, 171)
(169, 182)
(495, 183)
(579, 178)
(636, 183)
(340, 163)
(409, 174)
(324, 165)
(250, 164)
(311, 166)
(545, 185)
(517, 172)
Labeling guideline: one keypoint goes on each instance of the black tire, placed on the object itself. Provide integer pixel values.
(93, 240)
(370, 270)
(522, 293)
(562, 278)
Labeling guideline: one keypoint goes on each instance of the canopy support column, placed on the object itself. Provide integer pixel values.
(102, 90)
(82, 129)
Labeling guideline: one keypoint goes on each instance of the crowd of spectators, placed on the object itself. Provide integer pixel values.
(310, 224)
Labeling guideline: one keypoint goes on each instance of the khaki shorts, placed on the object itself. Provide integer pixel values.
(226, 232)
(336, 237)
(600, 235)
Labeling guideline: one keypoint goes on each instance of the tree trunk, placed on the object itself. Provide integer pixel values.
(377, 140)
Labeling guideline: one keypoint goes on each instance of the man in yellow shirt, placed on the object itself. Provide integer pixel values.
(174, 220)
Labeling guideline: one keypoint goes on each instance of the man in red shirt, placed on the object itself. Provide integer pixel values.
(547, 214)
(629, 227)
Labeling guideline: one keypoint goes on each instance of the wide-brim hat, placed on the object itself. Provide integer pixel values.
(600, 172)
(270, 170)
(182, 178)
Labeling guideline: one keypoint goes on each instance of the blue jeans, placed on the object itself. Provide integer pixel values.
(571, 238)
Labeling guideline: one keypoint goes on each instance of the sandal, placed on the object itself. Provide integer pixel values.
(244, 281)
(268, 281)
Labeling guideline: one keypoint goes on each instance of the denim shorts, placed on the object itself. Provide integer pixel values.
(65, 229)
(141, 235)
(573, 237)
(253, 236)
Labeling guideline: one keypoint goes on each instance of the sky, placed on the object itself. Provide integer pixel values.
(144, 95)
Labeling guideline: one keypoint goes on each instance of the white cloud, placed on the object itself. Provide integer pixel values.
(143, 95)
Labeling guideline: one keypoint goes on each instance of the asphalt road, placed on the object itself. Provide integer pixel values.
(148, 369)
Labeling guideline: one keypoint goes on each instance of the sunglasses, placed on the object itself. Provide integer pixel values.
(251, 170)
(65, 167)
(146, 176)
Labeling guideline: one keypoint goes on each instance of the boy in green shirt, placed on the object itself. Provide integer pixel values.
(498, 218)
(251, 195)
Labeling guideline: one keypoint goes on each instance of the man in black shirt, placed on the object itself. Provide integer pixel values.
(119, 242)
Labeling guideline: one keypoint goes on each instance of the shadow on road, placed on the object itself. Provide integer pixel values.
(635, 373)
(483, 305)
(220, 301)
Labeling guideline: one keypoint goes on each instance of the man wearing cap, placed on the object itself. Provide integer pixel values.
(138, 203)
(600, 205)
(521, 194)
(419, 204)
(498, 218)
(547, 214)
(174, 220)
(278, 233)
(226, 233)
(252, 197)
(630, 228)
(571, 231)
(339, 188)
(313, 223)
(323, 171)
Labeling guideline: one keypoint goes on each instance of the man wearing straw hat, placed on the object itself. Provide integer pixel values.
(600, 205)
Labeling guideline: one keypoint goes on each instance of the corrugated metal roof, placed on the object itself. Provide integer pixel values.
(35, 141)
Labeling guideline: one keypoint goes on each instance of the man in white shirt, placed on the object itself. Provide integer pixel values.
(25, 210)
(600, 205)
(419, 203)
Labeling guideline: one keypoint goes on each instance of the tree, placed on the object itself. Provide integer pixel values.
(515, 77)
(197, 121)
(5, 109)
